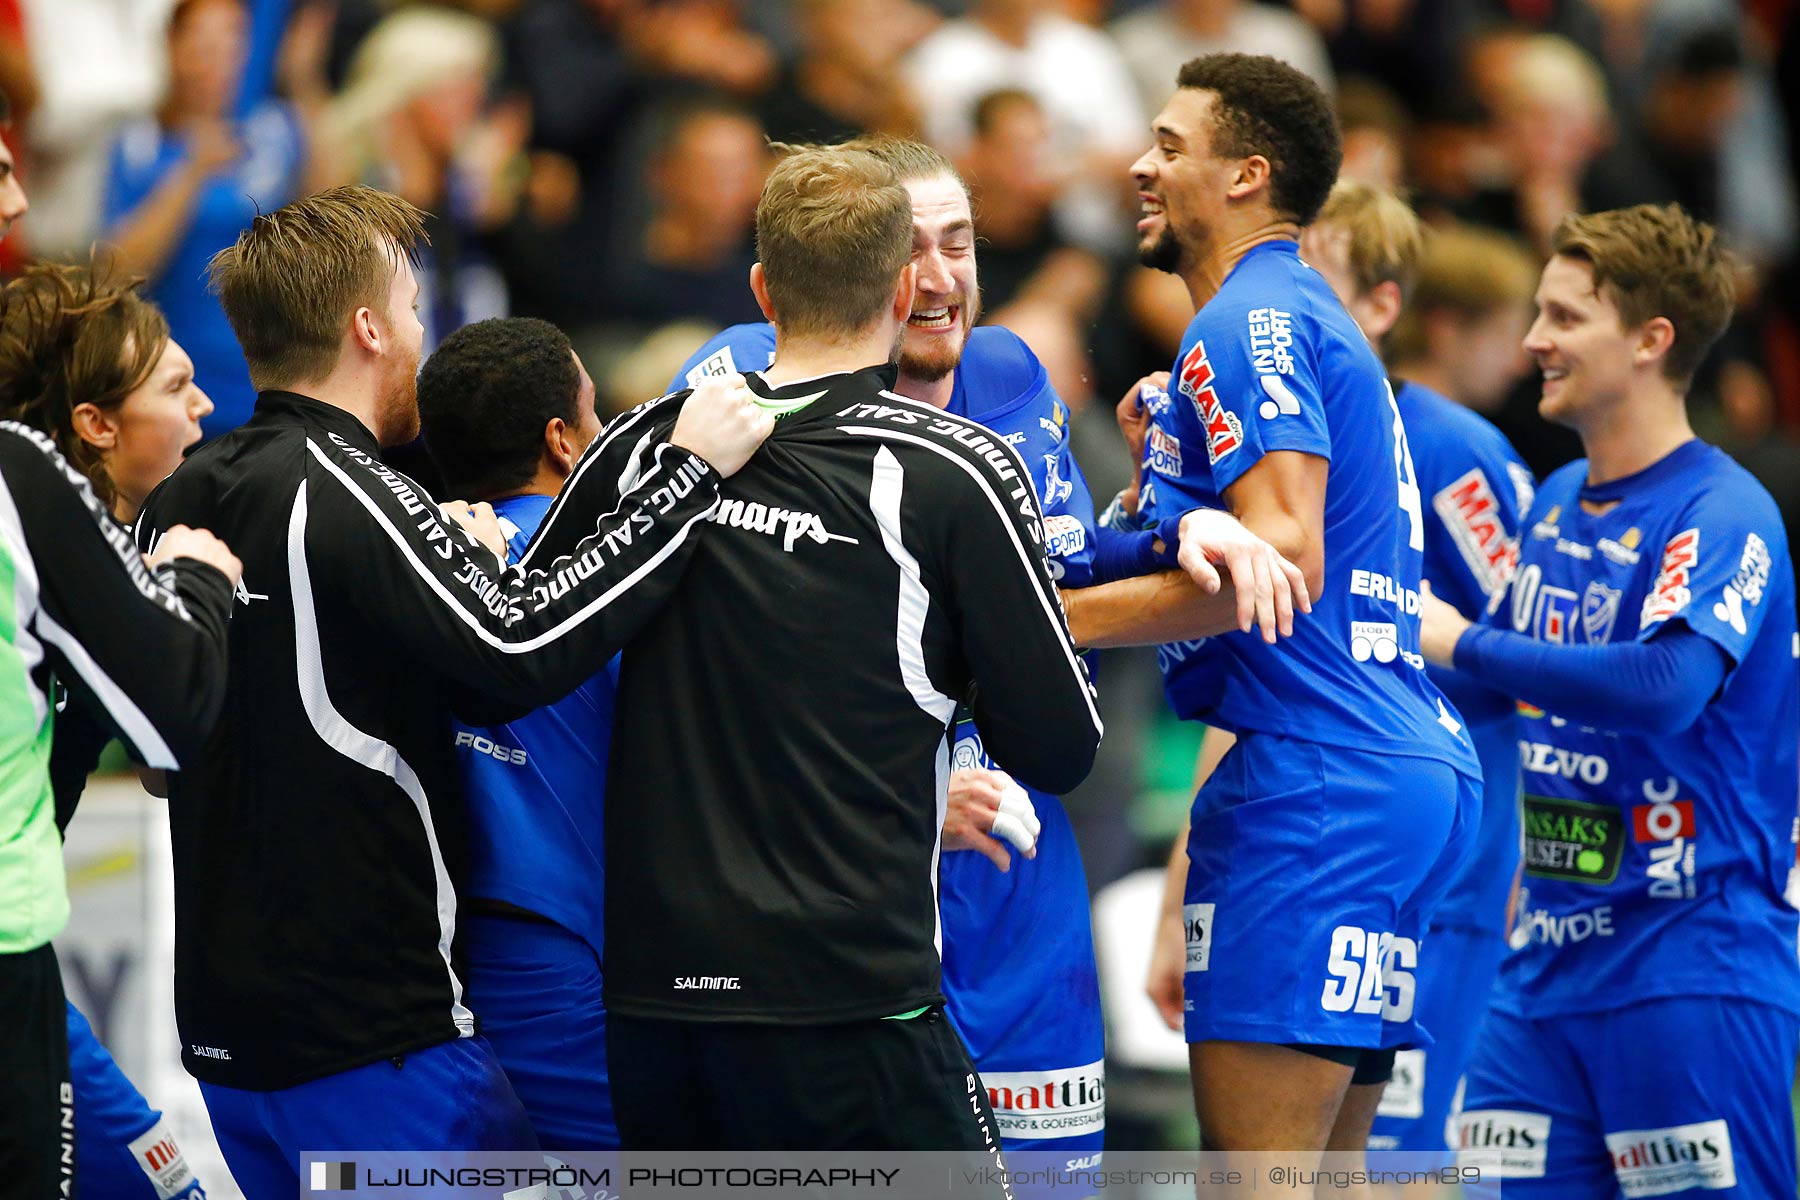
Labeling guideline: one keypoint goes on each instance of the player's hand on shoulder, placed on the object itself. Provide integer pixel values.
(985, 806)
(199, 544)
(1133, 416)
(722, 423)
(1269, 587)
(1440, 625)
(480, 522)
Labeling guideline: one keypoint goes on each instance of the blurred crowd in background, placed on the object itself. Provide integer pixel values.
(597, 163)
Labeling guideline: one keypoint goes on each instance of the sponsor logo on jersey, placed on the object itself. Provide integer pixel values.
(1503, 1143)
(1048, 1104)
(1624, 551)
(1746, 587)
(1155, 399)
(1591, 769)
(1658, 1162)
(1529, 711)
(718, 363)
(1669, 594)
(513, 755)
(1404, 1096)
(160, 1158)
(1370, 971)
(243, 595)
(1056, 488)
(1384, 587)
(210, 1052)
(1197, 930)
(1224, 432)
(1271, 342)
(1378, 640)
(1575, 550)
(789, 524)
(1170, 655)
(1572, 840)
(1064, 534)
(1471, 512)
(1523, 485)
(1662, 821)
(1163, 452)
(1599, 612)
(1281, 399)
(707, 983)
(1015, 439)
(1056, 424)
(1548, 528)
(1546, 928)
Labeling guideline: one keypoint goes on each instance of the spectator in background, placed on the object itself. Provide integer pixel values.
(1074, 72)
(1024, 254)
(1462, 326)
(846, 81)
(1158, 38)
(410, 122)
(1376, 128)
(183, 183)
(693, 255)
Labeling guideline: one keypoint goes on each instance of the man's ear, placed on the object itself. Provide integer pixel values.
(95, 426)
(1252, 176)
(759, 287)
(1384, 300)
(364, 330)
(559, 447)
(1656, 337)
(904, 289)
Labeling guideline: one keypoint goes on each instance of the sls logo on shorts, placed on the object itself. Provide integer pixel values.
(1370, 971)
(1197, 928)
(1504, 1143)
(1658, 1162)
(1224, 432)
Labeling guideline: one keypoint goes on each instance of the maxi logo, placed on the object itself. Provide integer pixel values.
(1224, 432)
(1572, 840)
(1670, 594)
(1471, 512)
(1370, 971)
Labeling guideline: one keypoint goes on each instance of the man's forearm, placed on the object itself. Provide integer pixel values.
(1149, 610)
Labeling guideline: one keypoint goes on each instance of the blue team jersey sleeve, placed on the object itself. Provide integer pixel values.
(734, 351)
(1069, 522)
(1250, 370)
(1715, 567)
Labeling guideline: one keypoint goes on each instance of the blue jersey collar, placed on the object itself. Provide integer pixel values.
(1683, 458)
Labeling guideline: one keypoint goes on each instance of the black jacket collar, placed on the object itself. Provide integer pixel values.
(285, 408)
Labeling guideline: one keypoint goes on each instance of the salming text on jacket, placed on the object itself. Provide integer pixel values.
(779, 752)
(316, 844)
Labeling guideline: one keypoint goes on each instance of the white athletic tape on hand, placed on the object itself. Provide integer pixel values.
(1017, 821)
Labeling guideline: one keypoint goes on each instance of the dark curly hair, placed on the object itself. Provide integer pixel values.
(485, 396)
(1267, 107)
(73, 335)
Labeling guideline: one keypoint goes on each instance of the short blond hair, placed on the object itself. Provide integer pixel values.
(291, 281)
(833, 233)
(1468, 272)
(1657, 261)
(1386, 239)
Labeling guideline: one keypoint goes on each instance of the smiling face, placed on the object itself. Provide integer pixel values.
(1580, 344)
(155, 422)
(1181, 184)
(947, 299)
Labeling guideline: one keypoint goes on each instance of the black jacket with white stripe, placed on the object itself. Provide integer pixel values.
(317, 844)
(779, 755)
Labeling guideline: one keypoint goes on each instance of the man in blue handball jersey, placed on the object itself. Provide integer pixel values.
(506, 409)
(1018, 955)
(1643, 1036)
(1322, 842)
(1367, 244)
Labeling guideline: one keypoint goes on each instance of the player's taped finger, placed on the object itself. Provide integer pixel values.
(1011, 828)
(1016, 801)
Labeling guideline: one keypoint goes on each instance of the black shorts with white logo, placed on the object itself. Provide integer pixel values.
(866, 1085)
(37, 1106)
